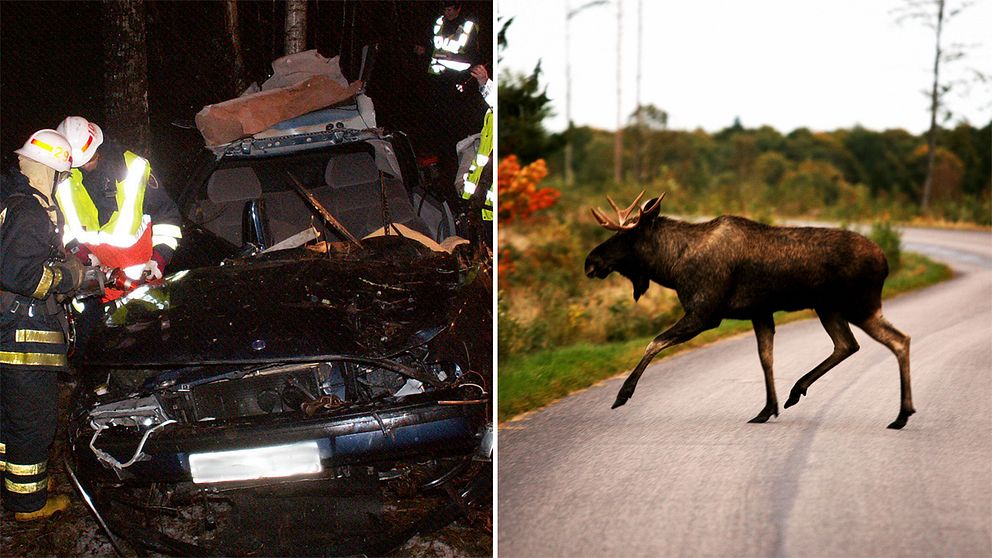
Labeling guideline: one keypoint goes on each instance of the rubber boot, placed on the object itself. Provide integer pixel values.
(55, 504)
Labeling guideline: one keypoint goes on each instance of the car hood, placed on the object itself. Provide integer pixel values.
(391, 295)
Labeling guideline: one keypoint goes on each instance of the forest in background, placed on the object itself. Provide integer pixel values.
(848, 174)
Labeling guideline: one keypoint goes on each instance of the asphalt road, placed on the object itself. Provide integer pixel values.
(678, 471)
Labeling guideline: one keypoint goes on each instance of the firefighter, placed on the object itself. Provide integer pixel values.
(33, 326)
(117, 215)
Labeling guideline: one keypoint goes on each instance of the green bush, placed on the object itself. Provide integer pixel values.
(890, 241)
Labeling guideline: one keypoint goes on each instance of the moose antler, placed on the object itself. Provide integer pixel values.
(624, 220)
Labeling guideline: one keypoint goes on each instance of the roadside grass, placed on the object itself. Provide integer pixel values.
(531, 381)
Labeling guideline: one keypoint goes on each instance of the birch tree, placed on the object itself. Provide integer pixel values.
(936, 15)
(296, 26)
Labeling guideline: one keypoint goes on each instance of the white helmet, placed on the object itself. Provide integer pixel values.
(49, 148)
(84, 137)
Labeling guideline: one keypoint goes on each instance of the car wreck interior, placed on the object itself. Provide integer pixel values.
(341, 180)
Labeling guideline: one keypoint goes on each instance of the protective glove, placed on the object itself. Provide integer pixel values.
(84, 254)
(92, 285)
(152, 271)
(76, 270)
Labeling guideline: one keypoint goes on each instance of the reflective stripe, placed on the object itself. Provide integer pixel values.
(38, 336)
(3, 447)
(3, 466)
(474, 173)
(25, 470)
(41, 144)
(47, 277)
(456, 43)
(169, 241)
(64, 196)
(134, 271)
(459, 66)
(32, 359)
(132, 184)
(27, 487)
(166, 234)
(469, 189)
(57, 276)
(167, 230)
(488, 93)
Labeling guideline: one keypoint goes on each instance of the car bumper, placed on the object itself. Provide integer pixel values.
(438, 424)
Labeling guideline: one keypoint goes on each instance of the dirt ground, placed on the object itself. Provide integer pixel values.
(76, 532)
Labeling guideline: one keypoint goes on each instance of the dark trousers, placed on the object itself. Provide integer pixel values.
(28, 420)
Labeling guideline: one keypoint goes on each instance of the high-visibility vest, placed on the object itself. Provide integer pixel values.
(125, 240)
(449, 52)
(471, 178)
(125, 226)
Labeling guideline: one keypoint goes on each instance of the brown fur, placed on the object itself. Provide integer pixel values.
(732, 267)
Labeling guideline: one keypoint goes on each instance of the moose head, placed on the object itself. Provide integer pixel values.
(620, 252)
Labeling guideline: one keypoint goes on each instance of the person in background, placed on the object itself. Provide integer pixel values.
(455, 41)
(477, 187)
(35, 277)
(117, 215)
(454, 49)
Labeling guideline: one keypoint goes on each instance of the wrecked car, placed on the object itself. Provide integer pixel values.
(325, 329)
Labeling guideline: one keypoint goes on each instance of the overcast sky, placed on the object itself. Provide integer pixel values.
(818, 64)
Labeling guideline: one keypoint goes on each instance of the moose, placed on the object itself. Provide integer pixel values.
(735, 268)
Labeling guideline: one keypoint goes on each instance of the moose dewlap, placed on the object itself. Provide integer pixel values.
(732, 267)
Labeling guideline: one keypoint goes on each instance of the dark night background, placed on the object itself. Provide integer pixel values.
(52, 65)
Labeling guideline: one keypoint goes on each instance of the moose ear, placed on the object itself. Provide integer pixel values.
(651, 208)
(641, 284)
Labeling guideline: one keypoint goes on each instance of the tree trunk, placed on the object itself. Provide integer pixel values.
(934, 109)
(238, 79)
(126, 103)
(296, 26)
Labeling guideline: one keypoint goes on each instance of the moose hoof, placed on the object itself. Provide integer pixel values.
(763, 416)
(625, 393)
(794, 396)
(901, 420)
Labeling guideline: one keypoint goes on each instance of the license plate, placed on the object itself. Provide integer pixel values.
(256, 463)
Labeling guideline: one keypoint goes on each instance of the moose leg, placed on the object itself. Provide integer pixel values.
(844, 346)
(680, 332)
(764, 330)
(898, 342)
